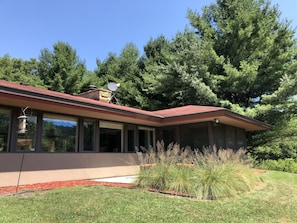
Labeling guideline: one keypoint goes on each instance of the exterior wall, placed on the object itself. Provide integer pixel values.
(46, 167)
(18, 167)
(200, 135)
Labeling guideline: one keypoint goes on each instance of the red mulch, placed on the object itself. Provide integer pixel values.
(57, 184)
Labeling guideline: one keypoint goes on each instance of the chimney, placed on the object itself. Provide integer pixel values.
(98, 94)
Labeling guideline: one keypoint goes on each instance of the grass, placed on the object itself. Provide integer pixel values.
(274, 203)
(215, 174)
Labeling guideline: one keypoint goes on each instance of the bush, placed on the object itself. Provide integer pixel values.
(215, 173)
(285, 165)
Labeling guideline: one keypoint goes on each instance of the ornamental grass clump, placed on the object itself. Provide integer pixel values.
(181, 180)
(163, 169)
(209, 174)
(223, 173)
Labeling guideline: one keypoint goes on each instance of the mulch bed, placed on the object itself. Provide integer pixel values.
(13, 190)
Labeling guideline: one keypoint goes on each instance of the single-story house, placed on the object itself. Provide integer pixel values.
(51, 136)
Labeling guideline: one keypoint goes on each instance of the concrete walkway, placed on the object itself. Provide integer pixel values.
(123, 179)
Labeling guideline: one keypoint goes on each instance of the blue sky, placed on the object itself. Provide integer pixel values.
(93, 27)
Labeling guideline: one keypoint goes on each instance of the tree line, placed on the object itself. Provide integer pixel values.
(237, 54)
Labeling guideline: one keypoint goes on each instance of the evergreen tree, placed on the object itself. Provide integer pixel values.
(254, 64)
(123, 69)
(155, 51)
(178, 74)
(252, 49)
(20, 71)
(61, 70)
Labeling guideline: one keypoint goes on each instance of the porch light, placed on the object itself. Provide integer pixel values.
(217, 121)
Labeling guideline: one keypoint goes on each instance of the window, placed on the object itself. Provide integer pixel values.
(169, 136)
(230, 137)
(146, 137)
(111, 137)
(195, 136)
(59, 134)
(241, 138)
(26, 139)
(89, 135)
(5, 119)
(219, 136)
(131, 140)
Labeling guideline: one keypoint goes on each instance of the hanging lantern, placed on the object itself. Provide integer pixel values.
(22, 124)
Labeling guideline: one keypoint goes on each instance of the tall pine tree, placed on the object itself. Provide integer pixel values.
(254, 64)
(61, 70)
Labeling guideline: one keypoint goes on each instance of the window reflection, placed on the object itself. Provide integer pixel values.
(59, 134)
(89, 135)
(4, 129)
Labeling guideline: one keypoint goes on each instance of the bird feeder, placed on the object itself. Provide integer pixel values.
(22, 124)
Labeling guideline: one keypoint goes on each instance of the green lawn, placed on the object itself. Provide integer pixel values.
(275, 203)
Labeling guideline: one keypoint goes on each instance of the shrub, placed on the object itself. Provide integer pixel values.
(285, 165)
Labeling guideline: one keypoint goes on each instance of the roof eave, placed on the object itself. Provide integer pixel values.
(224, 116)
(75, 105)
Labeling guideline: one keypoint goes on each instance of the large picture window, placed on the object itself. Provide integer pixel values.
(111, 137)
(59, 134)
(5, 119)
